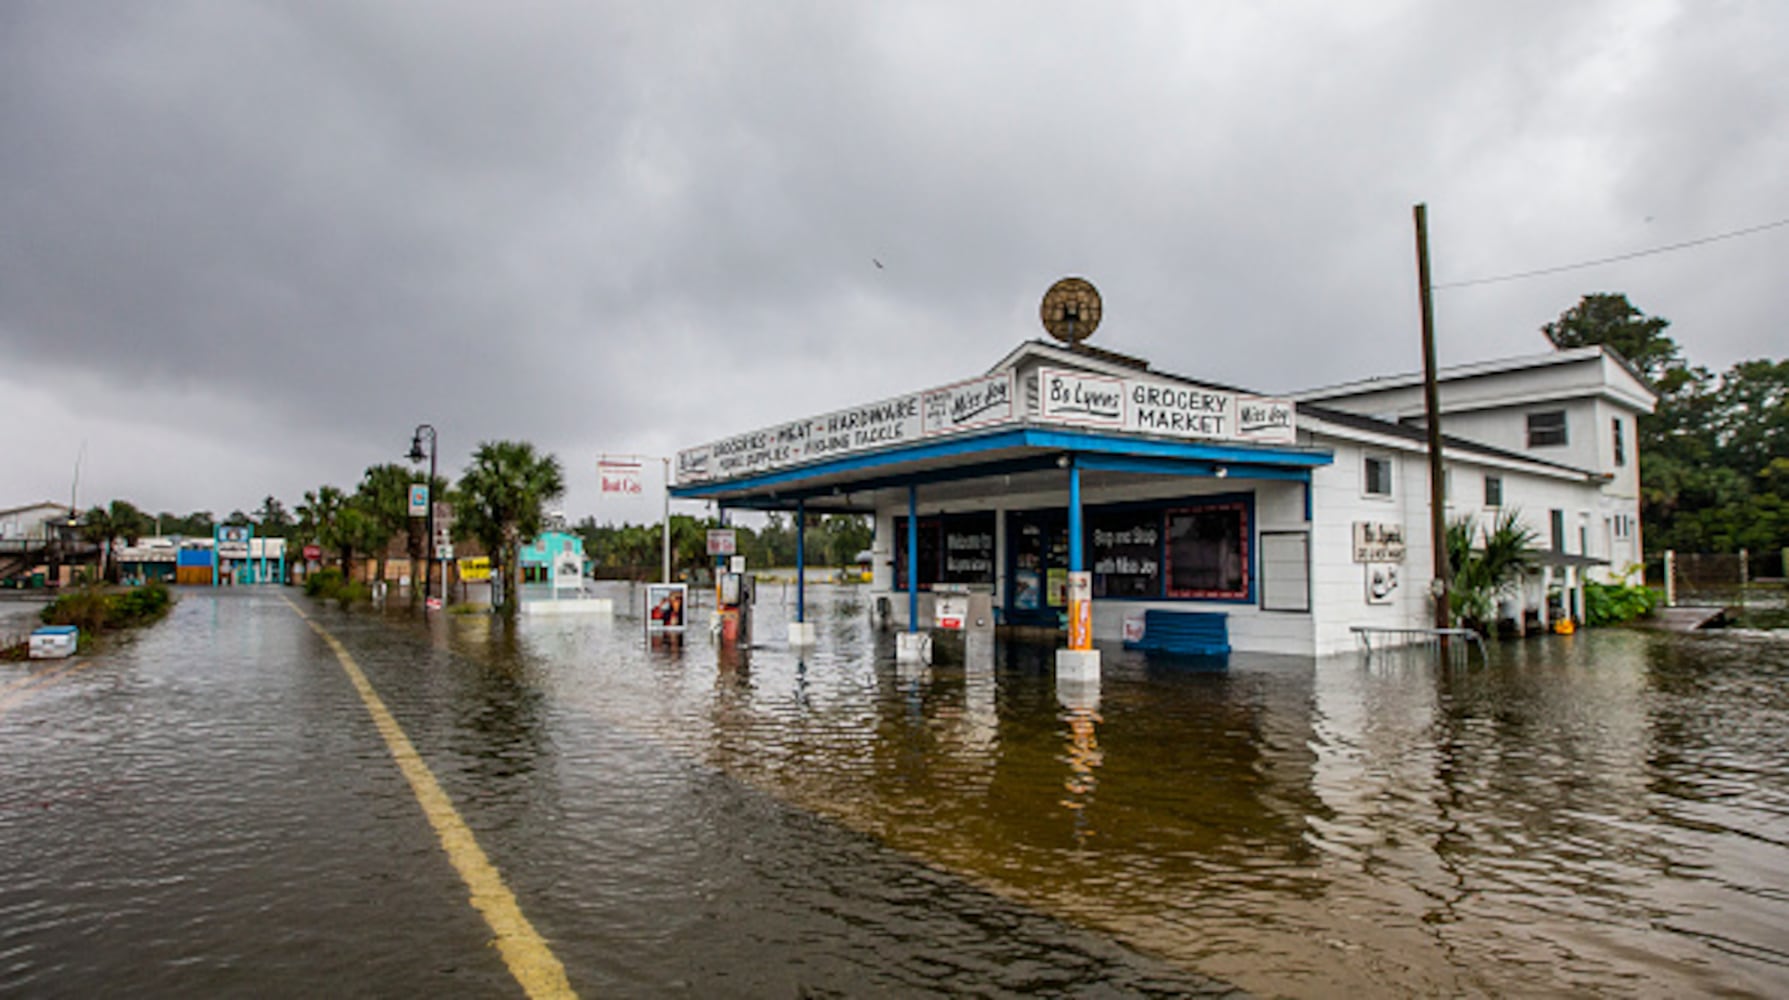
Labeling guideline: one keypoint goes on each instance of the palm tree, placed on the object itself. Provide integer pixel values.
(502, 499)
(1483, 575)
(384, 496)
(104, 525)
(320, 517)
(272, 521)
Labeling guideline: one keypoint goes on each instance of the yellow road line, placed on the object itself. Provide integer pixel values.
(523, 949)
(19, 691)
(47, 670)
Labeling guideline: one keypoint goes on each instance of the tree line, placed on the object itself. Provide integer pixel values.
(635, 551)
(1714, 455)
(500, 501)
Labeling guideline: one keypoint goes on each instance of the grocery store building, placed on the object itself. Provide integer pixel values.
(1288, 524)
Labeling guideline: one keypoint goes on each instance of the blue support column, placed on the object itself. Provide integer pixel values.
(1074, 515)
(801, 560)
(912, 558)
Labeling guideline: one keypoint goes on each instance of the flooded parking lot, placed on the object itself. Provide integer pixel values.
(207, 807)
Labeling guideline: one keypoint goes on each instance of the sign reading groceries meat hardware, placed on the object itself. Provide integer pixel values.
(962, 406)
(1063, 396)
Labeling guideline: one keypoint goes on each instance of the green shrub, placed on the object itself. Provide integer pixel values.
(141, 605)
(93, 610)
(330, 585)
(87, 609)
(1612, 603)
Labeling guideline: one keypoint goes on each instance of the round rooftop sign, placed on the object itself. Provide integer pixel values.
(1071, 310)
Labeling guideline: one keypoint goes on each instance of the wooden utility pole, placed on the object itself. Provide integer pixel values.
(1432, 413)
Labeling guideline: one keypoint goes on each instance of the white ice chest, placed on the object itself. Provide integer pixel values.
(53, 642)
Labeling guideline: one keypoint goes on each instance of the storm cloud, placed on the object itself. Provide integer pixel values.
(246, 248)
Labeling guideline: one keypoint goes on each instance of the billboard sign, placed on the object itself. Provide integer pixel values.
(232, 540)
(722, 542)
(617, 476)
(419, 499)
(475, 569)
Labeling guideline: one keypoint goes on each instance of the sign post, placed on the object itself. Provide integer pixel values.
(442, 548)
(1080, 610)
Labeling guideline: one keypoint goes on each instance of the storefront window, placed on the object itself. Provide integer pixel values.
(1125, 552)
(955, 548)
(968, 548)
(1208, 551)
(1039, 544)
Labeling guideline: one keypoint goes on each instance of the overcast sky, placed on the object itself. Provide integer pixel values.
(245, 248)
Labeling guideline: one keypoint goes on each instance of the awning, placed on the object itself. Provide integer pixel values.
(1019, 457)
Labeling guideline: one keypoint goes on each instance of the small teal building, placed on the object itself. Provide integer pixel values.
(555, 558)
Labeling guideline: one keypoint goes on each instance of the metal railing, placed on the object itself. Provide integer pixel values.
(1454, 640)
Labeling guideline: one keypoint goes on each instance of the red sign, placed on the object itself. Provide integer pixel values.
(312, 553)
(619, 477)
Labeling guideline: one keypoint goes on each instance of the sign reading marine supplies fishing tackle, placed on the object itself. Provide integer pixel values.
(949, 409)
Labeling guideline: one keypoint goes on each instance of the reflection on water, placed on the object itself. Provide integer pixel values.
(1602, 813)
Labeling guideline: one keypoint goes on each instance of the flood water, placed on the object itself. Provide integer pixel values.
(208, 810)
(1604, 813)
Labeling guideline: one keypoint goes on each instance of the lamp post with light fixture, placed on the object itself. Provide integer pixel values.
(428, 554)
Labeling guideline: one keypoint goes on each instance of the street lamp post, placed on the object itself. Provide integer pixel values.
(428, 548)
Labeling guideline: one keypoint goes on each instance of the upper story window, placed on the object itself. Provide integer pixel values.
(1546, 429)
(1620, 445)
(1493, 491)
(1377, 476)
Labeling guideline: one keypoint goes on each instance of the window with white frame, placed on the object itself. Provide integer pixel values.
(1493, 491)
(1376, 476)
(1620, 445)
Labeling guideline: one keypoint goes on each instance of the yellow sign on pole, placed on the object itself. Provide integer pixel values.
(475, 569)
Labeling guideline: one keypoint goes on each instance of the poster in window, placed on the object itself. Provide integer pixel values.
(1126, 551)
(968, 549)
(1027, 589)
(1208, 552)
(1058, 586)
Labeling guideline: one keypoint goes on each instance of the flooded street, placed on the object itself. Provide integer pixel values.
(207, 807)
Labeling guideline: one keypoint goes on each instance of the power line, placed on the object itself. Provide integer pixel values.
(1618, 257)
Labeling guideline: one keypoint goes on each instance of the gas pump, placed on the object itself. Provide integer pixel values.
(735, 595)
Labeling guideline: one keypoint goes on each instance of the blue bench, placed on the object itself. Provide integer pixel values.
(1184, 633)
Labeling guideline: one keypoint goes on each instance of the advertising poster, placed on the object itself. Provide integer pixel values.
(665, 604)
